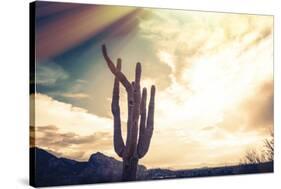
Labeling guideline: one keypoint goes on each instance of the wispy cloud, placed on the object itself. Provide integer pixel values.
(69, 131)
(187, 35)
(75, 95)
(68, 117)
(221, 70)
(70, 144)
(214, 79)
(49, 73)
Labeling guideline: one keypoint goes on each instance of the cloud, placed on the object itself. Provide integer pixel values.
(220, 98)
(260, 107)
(210, 69)
(202, 34)
(194, 149)
(76, 91)
(253, 114)
(70, 144)
(68, 117)
(49, 73)
(75, 95)
(213, 74)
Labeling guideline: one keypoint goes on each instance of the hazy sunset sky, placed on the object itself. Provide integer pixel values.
(213, 73)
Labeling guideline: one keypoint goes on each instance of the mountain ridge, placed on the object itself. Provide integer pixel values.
(47, 169)
(50, 170)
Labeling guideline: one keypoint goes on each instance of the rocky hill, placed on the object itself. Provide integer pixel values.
(49, 170)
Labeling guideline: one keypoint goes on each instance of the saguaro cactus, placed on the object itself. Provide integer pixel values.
(139, 133)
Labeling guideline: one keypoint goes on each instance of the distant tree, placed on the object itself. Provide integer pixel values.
(252, 156)
(269, 147)
(266, 154)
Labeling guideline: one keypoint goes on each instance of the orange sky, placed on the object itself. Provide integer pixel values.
(214, 79)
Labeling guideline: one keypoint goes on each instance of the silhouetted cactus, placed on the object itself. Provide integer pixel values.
(136, 144)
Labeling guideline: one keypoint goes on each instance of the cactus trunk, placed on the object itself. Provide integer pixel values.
(130, 166)
(138, 134)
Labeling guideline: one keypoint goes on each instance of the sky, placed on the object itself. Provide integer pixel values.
(213, 74)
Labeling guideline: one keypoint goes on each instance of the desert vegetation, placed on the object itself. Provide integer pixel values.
(138, 134)
(264, 154)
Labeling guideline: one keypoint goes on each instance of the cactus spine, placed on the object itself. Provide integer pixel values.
(139, 133)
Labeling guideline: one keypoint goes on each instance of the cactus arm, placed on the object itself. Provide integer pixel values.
(108, 60)
(136, 147)
(132, 129)
(117, 138)
(137, 93)
(150, 116)
(145, 137)
(122, 78)
(140, 148)
(136, 110)
(130, 98)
